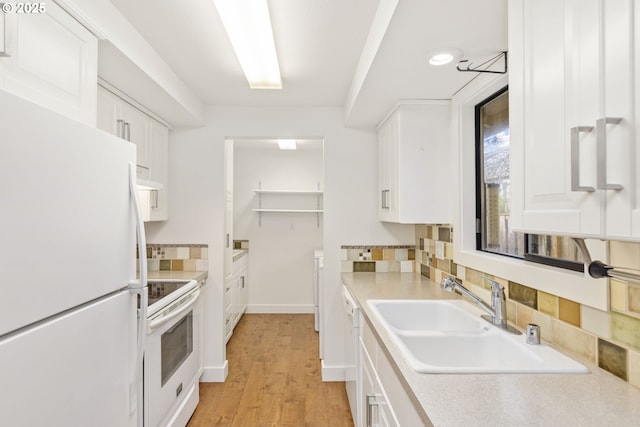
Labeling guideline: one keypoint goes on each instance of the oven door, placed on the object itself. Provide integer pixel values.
(172, 361)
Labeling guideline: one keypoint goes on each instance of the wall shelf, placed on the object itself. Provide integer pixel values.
(289, 210)
(292, 192)
(260, 192)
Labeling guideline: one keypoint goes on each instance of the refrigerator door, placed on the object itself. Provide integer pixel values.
(74, 370)
(67, 228)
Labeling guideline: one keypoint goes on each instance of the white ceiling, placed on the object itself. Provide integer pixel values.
(319, 43)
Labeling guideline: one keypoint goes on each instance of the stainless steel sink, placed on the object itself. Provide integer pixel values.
(448, 336)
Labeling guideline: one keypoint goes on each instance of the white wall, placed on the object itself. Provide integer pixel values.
(196, 205)
(281, 244)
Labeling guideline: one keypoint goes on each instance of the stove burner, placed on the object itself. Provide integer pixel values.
(159, 289)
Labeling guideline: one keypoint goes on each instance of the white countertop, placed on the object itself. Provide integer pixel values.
(239, 253)
(594, 399)
(178, 275)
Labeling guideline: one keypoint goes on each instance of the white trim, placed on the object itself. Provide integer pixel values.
(332, 373)
(126, 98)
(567, 284)
(215, 374)
(82, 18)
(280, 308)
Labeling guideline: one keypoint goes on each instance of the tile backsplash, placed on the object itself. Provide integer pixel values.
(609, 339)
(177, 257)
(378, 258)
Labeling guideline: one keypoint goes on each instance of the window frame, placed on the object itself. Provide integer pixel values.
(480, 201)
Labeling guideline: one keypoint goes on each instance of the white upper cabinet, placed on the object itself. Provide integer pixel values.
(413, 154)
(571, 108)
(158, 160)
(151, 137)
(49, 59)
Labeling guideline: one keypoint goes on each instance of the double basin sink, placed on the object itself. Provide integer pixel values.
(449, 336)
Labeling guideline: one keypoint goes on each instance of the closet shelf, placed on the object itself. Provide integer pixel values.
(289, 210)
(317, 195)
(293, 192)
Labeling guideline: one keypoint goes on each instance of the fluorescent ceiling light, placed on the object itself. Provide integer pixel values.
(248, 25)
(444, 56)
(287, 144)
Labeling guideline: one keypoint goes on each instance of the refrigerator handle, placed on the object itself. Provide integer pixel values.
(142, 242)
(136, 377)
(138, 287)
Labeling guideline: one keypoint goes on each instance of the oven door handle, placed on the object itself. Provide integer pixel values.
(186, 306)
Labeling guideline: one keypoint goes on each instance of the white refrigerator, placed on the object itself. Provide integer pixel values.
(71, 339)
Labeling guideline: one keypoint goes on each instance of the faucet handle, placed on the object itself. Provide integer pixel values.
(496, 287)
(448, 283)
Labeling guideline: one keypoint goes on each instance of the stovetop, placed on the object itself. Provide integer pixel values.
(163, 292)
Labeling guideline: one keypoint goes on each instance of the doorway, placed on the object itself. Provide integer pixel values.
(277, 214)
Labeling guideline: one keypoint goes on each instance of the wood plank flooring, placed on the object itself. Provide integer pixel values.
(274, 379)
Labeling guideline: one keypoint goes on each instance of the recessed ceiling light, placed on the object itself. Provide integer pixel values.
(444, 56)
(287, 144)
(248, 25)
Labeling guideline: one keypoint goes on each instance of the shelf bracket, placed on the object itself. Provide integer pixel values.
(486, 64)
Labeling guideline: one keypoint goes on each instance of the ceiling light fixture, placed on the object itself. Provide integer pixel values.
(287, 144)
(248, 26)
(444, 56)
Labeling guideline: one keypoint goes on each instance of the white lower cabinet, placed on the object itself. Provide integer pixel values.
(377, 411)
(228, 314)
(385, 402)
(236, 294)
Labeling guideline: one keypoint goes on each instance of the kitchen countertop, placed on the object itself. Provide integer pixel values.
(594, 399)
(178, 275)
(239, 253)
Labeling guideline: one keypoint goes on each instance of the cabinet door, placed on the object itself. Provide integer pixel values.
(137, 130)
(635, 213)
(618, 155)
(52, 61)
(159, 152)
(413, 150)
(108, 113)
(573, 135)
(228, 217)
(554, 99)
(387, 173)
(367, 388)
(377, 410)
(244, 290)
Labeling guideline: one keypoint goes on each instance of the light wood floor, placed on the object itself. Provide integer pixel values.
(274, 379)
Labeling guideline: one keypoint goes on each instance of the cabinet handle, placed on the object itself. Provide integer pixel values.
(242, 282)
(3, 34)
(127, 131)
(385, 199)
(228, 239)
(371, 402)
(120, 129)
(601, 141)
(575, 158)
(154, 199)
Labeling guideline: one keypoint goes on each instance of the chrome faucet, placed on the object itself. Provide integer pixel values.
(496, 312)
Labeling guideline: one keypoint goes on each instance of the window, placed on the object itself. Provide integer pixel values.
(493, 200)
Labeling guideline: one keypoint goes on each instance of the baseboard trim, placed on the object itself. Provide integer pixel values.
(332, 373)
(215, 374)
(280, 309)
